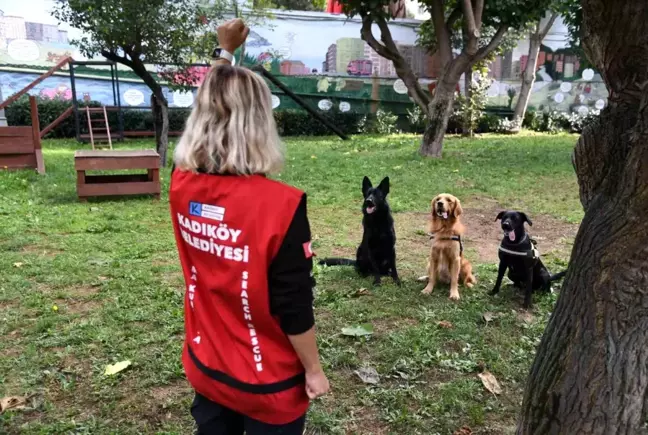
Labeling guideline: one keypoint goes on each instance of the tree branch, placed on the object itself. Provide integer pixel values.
(492, 45)
(442, 32)
(479, 11)
(111, 55)
(452, 19)
(389, 51)
(547, 27)
(473, 32)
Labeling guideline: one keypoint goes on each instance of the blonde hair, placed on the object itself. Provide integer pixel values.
(231, 129)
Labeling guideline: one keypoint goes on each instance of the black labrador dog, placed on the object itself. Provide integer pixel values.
(376, 254)
(517, 253)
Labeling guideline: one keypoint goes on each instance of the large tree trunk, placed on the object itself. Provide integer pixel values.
(590, 375)
(440, 109)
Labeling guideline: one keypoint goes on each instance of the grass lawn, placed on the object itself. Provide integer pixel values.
(83, 285)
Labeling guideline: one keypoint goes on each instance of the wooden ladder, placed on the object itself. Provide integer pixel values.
(101, 132)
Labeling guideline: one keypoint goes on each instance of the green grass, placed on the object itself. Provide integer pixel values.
(83, 285)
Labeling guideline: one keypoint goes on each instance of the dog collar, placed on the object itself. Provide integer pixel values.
(455, 238)
(531, 253)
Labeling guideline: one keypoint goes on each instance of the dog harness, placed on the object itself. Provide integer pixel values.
(531, 253)
(235, 352)
(455, 238)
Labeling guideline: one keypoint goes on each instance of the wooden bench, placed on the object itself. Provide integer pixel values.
(20, 147)
(120, 184)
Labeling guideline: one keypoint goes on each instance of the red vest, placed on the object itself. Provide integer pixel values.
(228, 230)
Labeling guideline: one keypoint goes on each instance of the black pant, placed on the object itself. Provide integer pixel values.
(214, 419)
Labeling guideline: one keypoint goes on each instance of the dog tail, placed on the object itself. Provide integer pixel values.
(557, 276)
(337, 262)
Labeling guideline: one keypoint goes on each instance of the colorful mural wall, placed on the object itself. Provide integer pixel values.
(318, 55)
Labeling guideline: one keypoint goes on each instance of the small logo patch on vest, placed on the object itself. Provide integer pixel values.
(308, 249)
(213, 212)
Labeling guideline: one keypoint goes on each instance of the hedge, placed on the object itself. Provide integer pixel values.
(289, 122)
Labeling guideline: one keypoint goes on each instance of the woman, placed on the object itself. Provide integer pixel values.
(244, 244)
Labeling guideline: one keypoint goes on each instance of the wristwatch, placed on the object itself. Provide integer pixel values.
(220, 53)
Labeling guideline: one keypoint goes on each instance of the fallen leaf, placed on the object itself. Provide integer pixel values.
(463, 430)
(368, 375)
(313, 157)
(94, 208)
(526, 317)
(490, 382)
(445, 324)
(113, 369)
(489, 317)
(103, 278)
(358, 331)
(12, 402)
(18, 264)
(362, 292)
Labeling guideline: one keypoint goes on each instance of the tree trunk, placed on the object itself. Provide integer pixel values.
(440, 110)
(528, 79)
(590, 375)
(162, 131)
(467, 121)
(529, 75)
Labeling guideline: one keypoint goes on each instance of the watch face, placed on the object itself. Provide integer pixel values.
(216, 54)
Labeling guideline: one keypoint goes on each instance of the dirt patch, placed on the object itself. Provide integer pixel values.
(165, 393)
(388, 325)
(81, 291)
(483, 234)
(40, 251)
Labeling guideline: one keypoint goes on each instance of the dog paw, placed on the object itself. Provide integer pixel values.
(470, 285)
(398, 282)
(454, 296)
(426, 291)
(422, 278)
(493, 292)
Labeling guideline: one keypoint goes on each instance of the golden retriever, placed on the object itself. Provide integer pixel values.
(447, 263)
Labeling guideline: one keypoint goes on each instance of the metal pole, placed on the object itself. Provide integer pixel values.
(75, 103)
(260, 69)
(121, 112)
(3, 120)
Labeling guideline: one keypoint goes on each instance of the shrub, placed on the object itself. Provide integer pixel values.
(416, 119)
(383, 123)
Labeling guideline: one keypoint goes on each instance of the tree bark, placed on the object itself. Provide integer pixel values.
(439, 113)
(529, 75)
(467, 121)
(590, 375)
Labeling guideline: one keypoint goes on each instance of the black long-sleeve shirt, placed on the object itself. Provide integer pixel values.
(290, 277)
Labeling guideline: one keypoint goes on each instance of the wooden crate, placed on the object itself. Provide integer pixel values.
(119, 184)
(20, 147)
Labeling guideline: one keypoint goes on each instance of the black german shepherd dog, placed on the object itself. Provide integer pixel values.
(376, 254)
(517, 253)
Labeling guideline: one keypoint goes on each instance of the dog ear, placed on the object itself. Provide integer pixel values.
(500, 215)
(366, 185)
(526, 218)
(457, 208)
(384, 186)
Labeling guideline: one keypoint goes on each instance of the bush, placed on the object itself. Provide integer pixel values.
(382, 123)
(416, 119)
(300, 123)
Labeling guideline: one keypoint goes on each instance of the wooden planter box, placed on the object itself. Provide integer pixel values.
(117, 185)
